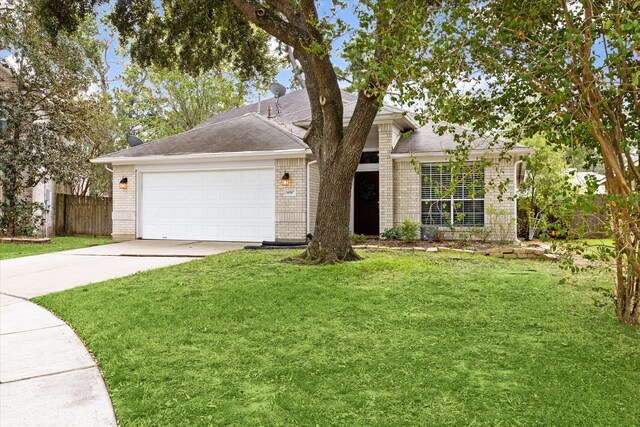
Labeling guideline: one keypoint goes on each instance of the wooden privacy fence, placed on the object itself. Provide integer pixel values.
(580, 224)
(80, 215)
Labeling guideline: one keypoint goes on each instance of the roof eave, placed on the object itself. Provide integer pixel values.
(203, 157)
(514, 151)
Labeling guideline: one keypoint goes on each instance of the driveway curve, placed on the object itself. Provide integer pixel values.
(47, 376)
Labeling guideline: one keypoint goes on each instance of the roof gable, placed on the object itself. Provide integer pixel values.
(426, 140)
(246, 133)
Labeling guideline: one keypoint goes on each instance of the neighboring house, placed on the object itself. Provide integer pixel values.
(43, 192)
(247, 175)
(583, 179)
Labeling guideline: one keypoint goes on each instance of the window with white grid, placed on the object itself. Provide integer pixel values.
(443, 205)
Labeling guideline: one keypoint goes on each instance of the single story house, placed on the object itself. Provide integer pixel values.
(246, 175)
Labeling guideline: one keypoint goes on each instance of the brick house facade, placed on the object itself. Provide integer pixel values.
(387, 189)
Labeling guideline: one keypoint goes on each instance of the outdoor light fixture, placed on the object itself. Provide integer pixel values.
(124, 183)
(286, 180)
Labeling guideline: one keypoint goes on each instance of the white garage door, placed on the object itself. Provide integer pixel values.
(229, 205)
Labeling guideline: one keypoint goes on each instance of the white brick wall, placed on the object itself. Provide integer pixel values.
(124, 203)
(291, 211)
(399, 195)
(500, 213)
(500, 209)
(389, 135)
(406, 183)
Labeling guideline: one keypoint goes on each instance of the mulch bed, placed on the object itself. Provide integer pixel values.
(515, 250)
(454, 244)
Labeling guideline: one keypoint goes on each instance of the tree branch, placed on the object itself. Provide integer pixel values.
(272, 23)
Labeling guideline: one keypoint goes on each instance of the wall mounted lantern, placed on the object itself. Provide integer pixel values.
(286, 180)
(124, 183)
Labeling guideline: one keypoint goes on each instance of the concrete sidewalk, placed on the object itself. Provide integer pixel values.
(47, 376)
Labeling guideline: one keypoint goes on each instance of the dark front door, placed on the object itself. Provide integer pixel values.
(366, 213)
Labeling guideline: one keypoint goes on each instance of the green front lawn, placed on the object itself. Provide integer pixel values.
(57, 244)
(397, 339)
(598, 242)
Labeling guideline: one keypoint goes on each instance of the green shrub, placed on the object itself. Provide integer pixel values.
(22, 219)
(358, 238)
(409, 230)
(392, 233)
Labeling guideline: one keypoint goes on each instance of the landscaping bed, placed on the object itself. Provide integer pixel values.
(454, 244)
(529, 250)
(400, 338)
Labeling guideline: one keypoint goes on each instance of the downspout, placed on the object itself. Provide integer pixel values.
(308, 196)
(515, 199)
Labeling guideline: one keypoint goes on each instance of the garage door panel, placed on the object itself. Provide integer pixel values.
(208, 205)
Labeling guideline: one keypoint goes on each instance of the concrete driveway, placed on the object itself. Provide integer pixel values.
(33, 276)
(47, 376)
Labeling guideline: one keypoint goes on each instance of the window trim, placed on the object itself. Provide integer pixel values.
(451, 200)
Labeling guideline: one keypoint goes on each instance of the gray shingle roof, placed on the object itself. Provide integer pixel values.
(248, 129)
(248, 132)
(295, 107)
(426, 140)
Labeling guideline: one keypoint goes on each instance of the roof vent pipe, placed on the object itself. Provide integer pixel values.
(269, 112)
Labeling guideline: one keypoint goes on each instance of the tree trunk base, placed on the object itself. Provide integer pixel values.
(316, 255)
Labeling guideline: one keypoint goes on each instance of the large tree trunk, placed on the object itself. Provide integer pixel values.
(336, 148)
(332, 241)
(338, 156)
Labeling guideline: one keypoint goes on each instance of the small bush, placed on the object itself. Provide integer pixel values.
(391, 234)
(25, 216)
(358, 238)
(482, 234)
(409, 230)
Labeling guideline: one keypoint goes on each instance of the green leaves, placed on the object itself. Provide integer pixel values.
(192, 35)
(158, 103)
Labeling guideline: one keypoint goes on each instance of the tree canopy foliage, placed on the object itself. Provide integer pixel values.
(157, 103)
(544, 186)
(568, 69)
(383, 46)
(192, 35)
(45, 112)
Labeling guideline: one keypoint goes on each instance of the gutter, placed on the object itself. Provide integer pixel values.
(523, 151)
(203, 157)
